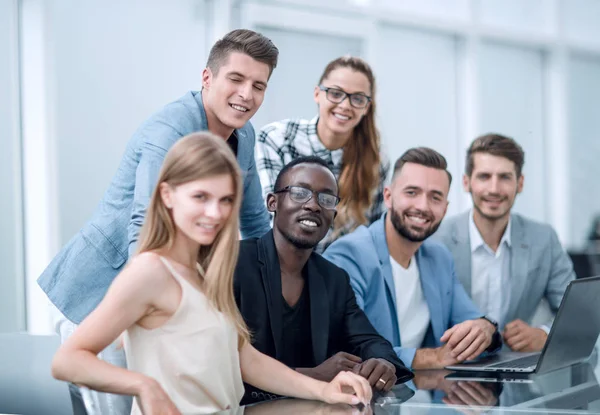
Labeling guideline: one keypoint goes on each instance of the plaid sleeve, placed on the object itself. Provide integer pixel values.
(268, 156)
(378, 206)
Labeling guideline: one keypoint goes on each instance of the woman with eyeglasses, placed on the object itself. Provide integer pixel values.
(343, 134)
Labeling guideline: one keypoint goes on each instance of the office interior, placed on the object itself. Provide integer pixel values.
(78, 77)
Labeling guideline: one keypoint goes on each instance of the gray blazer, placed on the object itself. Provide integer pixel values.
(539, 265)
(79, 276)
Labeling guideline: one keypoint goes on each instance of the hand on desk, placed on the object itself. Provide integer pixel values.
(521, 337)
(380, 373)
(464, 341)
(437, 358)
(329, 369)
(469, 339)
(347, 388)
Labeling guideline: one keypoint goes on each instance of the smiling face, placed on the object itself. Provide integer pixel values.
(200, 208)
(305, 224)
(493, 185)
(342, 118)
(417, 200)
(234, 94)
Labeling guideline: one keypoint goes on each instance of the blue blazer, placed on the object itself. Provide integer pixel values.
(365, 256)
(79, 276)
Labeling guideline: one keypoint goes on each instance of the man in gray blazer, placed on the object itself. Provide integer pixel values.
(506, 262)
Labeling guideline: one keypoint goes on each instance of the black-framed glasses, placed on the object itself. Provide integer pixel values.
(301, 194)
(336, 95)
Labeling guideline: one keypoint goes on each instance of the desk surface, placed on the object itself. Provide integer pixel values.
(25, 386)
(572, 390)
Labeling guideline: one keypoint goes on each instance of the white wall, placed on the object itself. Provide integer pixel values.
(12, 301)
(511, 102)
(114, 63)
(448, 70)
(584, 143)
(92, 72)
(418, 97)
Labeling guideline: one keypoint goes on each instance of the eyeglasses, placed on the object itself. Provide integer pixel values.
(301, 194)
(335, 95)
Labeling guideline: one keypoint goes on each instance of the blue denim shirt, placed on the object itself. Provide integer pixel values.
(79, 276)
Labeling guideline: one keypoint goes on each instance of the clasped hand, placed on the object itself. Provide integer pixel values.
(465, 341)
(380, 373)
(521, 337)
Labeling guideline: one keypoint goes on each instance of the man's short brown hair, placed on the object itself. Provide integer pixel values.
(496, 145)
(248, 42)
(425, 157)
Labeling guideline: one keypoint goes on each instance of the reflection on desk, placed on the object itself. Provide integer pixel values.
(397, 396)
(571, 390)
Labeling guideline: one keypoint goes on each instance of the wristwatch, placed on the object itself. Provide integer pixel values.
(496, 337)
(491, 320)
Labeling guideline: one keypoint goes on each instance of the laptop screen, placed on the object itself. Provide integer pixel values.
(576, 327)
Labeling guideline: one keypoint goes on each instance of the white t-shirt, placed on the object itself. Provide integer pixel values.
(412, 309)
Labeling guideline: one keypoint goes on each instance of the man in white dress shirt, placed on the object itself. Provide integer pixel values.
(506, 262)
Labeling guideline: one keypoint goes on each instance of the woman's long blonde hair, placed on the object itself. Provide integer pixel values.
(194, 157)
(359, 177)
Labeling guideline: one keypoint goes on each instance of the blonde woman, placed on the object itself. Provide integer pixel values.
(187, 346)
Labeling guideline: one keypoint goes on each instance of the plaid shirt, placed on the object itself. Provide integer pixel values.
(280, 142)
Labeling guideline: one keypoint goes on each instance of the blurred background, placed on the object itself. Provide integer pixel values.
(78, 76)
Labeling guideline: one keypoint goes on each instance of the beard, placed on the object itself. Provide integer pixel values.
(492, 217)
(299, 242)
(404, 230)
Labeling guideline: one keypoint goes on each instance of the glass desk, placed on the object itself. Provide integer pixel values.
(26, 387)
(572, 390)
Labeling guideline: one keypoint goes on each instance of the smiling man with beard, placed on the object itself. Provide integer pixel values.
(405, 283)
(299, 307)
(506, 262)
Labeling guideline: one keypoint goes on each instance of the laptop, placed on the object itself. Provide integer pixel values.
(492, 377)
(571, 339)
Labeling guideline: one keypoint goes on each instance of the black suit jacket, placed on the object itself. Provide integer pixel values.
(337, 322)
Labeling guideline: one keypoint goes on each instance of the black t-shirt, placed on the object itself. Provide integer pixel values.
(297, 338)
(233, 142)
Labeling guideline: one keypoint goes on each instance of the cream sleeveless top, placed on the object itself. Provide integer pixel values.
(194, 355)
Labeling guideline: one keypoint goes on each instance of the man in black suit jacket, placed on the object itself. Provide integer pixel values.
(299, 307)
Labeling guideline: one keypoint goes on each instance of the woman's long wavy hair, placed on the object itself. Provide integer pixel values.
(194, 157)
(359, 176)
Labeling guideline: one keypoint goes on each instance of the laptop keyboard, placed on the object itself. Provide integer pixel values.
(521, 363)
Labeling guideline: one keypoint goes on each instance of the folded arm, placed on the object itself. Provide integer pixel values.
(131, 297)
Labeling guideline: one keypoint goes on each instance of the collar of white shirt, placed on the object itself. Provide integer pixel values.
(477, 240)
